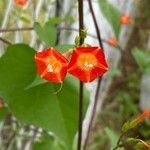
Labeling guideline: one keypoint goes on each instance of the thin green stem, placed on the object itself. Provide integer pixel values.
(118, 146)
(119, 141)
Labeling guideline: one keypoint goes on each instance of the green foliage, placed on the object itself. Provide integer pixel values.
(33, 101)
(17, 69)
(137, 143)
(63, 48)
(111, 136)
(57, 20)
(37, 81)
(142, 58)
(47, 33)
(99, 139)
(129, 125)
(3, 112)
(25, 19)
(112, 14)
(115, 72)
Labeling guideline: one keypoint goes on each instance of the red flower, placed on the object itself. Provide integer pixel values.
(112, 41)
(21, 2)
(146, 144)
(87, 63)
(125, 19)
(142, 116)
(51, 65)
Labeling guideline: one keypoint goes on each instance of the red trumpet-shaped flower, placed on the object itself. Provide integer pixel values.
(125, 19)
(142, 116)
(21, 2)
(87, 63)
(51, 65)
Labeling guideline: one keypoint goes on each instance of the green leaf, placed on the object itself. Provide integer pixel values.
(38, 80)
(17, 69)
(137, 143)
(142, 58)
(115, 72)
(3, 113)
(112, 14)
(63, 48)
(129, 125)
(57, 20)
(37, 104)
(132, 141)
(47, 33)
(25, 19)
(41, 107)
(113, 138)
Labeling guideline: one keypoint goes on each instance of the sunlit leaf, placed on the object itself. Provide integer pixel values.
(142, 58)
(63, 48)
(112, 14)
(47, 33)
(112, 136)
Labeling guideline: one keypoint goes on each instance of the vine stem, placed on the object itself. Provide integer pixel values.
(81, 27)
(119, 140)
(60, 28)
(17, 29)
(80, 117)
(5, 41)
(99, 80)
(58, 14)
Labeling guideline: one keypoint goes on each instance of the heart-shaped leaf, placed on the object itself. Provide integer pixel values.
(47, 33)
(112, 14)
(37, 104)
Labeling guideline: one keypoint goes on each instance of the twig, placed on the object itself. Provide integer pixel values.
(81, 27)
(57, 14)
(17, 29)
(99, 80)
(5, 41)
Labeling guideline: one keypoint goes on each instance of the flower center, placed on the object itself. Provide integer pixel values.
(87, 61)
(53, 65)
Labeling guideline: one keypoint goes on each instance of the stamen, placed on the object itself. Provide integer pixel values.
(88, 65)
(87, 61)
(50, 68)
